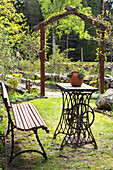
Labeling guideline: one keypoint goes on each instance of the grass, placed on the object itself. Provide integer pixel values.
(69, 158)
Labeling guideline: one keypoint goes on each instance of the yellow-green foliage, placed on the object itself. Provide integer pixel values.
(27, 65)
(95, 82)
(13, 83)
(94, 69)
(7, 61)
(12, 28)
(56, 62)
(30, 46)
(11, 20)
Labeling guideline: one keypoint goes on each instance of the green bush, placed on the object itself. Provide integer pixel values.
(3, 121)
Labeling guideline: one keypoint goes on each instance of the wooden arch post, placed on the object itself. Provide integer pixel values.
(42, 58)
(101, 60)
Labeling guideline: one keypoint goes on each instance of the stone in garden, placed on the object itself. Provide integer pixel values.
(111, 85)
(105, 101)
(107, 78)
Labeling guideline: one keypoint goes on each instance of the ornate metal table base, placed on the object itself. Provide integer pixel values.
(76, 119)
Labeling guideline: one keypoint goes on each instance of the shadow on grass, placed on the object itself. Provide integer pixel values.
(28, 160)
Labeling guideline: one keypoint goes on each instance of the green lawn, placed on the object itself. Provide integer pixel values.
(69, 158)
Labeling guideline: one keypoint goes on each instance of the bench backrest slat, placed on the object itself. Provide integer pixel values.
(5, 95)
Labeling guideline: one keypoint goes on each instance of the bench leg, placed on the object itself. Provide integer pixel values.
(12, 148)
(8, 130)
(9, 124)
(44, 153)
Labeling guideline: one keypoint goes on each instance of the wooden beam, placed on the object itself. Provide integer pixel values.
(86, 18)
(42, 58)
(51, 20)
(101, 58)
(74, 11)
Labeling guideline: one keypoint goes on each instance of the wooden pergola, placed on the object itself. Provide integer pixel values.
(86, 18)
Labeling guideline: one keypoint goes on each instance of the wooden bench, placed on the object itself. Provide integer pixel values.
(26, 118)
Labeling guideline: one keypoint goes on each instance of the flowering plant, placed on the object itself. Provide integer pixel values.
(16, 75)
(13, 82)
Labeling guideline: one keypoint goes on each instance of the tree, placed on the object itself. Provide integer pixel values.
(31, 10)
(7, 60)
(95, 5)
(14, 22)
(108, 13)
(58, 62)
(30, 49)
(12, 28)
(90, 45)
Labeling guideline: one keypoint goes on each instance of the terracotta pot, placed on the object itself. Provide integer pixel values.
(75, 80)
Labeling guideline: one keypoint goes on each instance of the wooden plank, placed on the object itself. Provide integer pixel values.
(32, 116)
(27, 116)
(22, 117)
(36, 114)
(5, 95)
(38, 117)
(17, 118)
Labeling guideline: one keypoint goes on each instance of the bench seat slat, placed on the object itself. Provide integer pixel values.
(36, 123)
(17, 117)
(22, 117)
(26, 119)
(38, 117)
(28, 116)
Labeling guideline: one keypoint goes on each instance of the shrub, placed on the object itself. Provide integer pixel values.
(13, 83)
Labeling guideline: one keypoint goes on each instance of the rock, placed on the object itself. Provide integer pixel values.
(111, 85)
(107, 78)
(105, 101)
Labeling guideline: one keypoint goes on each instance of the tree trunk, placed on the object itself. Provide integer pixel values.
(82, 54)
(53, 40)
(67, 44)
